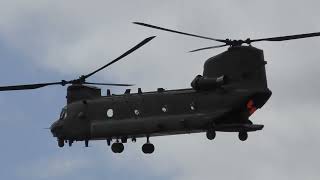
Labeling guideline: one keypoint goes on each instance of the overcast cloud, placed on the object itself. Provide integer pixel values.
(53, 40)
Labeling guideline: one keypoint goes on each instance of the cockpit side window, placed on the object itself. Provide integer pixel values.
(63, 114)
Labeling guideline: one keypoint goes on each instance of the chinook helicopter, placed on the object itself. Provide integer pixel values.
(233, 86)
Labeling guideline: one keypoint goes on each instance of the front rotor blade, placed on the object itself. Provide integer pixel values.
(285, 38)
(178, 32)
(28, 86)
(109, 84)
(145, 41)
(211, 47)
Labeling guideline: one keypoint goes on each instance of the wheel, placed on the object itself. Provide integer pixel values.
(117, 147)
(121, 148)
(114, 148)
(211, 134)
(60, 142)
(243, 136)
(148, 148)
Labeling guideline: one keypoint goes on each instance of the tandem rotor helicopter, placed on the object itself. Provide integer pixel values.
(233, 86)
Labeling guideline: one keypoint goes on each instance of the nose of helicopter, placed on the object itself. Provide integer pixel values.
(56, 128)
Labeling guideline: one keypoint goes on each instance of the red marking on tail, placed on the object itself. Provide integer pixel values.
(251, 107)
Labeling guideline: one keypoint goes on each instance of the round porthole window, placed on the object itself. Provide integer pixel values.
(164, 109)
(110, 113)
(136, 112)
(192, 107)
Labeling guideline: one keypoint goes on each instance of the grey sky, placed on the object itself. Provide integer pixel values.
(53, 40)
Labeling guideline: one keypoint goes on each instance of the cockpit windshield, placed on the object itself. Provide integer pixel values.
(63, 114)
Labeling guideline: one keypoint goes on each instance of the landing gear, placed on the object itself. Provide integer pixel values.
(148, 147)
(117, 147)
(70, 143)
(60, 142)
(86, 143)
(124, 139)
(134, 139)
(108, 141)
(211, 134)
(243, 136)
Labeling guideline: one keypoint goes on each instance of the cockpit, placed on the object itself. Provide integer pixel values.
(63, 114)
(57, 127)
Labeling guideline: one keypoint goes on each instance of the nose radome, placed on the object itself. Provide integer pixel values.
(56, 128)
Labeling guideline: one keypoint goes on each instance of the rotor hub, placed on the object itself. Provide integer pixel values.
(237, 42)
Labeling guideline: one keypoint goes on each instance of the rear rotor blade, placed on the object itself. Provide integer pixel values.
(285, 38)
(108, 84)
(30, 86)
(211, 47)
(122, 56)
(178, 32)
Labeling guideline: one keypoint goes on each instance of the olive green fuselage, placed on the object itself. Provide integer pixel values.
(158, 113)
(226, 106)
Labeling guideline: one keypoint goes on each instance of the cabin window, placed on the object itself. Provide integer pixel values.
(110, 113)
(192, 107)
(63, 114)
(164, 109)
(136, 112)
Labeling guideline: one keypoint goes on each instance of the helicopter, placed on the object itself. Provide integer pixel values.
(232, 87)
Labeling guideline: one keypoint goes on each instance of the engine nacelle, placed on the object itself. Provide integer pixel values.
(206, 83)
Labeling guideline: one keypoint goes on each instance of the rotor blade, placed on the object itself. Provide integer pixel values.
(29, 86)
(211, 47)
(285, 38)
(109, 84)
(122, 56)
(179, 32)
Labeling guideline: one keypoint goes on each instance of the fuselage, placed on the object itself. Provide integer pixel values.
(224, 107)
(158, 113)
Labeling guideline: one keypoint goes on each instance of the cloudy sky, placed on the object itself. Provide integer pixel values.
(53, 40)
